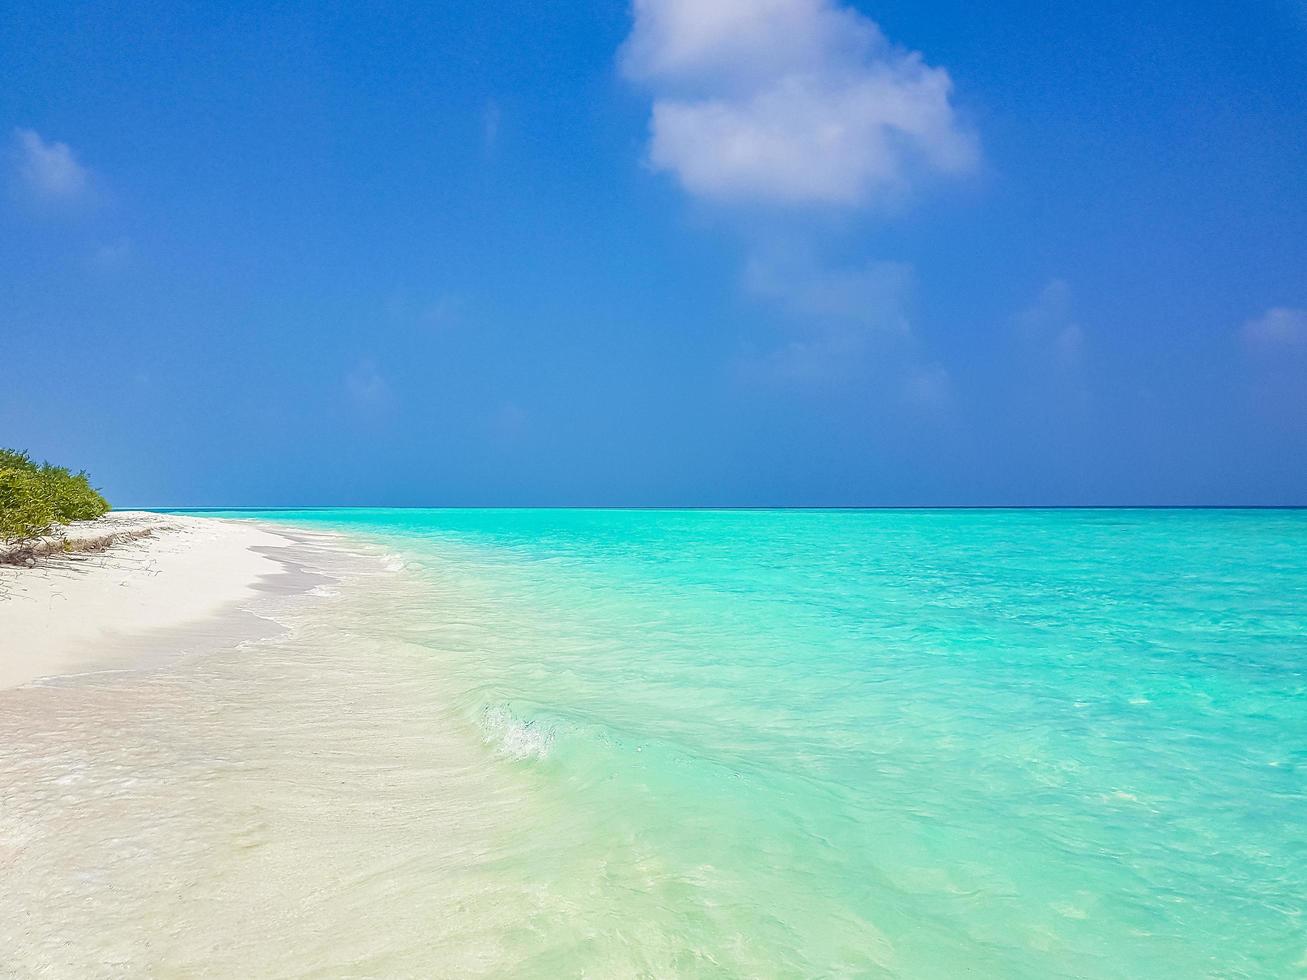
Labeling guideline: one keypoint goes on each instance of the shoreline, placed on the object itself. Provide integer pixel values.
(285, 792)
(133, 589)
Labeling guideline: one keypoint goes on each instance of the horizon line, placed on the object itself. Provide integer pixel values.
(716, 507)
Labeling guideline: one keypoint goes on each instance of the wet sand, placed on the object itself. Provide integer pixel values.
(213, 763)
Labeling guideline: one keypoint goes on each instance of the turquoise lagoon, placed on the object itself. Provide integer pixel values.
(918, 743)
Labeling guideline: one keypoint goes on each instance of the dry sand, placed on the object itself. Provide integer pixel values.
(77, 612)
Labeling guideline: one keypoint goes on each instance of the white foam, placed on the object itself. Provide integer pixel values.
(515, 737)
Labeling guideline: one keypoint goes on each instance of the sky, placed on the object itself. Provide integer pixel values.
(675, 252)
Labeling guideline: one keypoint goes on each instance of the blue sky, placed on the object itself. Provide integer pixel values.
(766, 252)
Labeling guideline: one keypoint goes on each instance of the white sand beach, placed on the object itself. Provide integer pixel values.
(218, 759)
(73, 612)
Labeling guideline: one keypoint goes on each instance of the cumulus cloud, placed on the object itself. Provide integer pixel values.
(1053, 383)
(1277, 328)
(49, 169)
(789, 102)
(1048, 325)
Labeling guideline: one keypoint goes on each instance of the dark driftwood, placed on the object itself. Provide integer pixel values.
(19, 553)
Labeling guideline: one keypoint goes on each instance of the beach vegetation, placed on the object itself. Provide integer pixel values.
(34, 497)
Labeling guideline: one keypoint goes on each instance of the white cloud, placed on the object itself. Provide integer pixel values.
(1048, 325)
(789, 102)
(1052, 384)
(1278, 327)
(49, 169)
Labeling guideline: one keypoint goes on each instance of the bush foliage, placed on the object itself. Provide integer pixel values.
(36, 496)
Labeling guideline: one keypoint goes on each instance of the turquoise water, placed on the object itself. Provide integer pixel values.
(900, 743)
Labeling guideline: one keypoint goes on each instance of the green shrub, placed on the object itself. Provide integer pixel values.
(12, 459)
(33, 498)
(25, 510)
(71, 494)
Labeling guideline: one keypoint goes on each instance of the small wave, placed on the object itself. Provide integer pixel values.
(518, 738)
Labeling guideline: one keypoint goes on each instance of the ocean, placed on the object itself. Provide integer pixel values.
(755, 743)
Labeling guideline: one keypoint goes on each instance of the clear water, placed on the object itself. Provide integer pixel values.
(831, 743)
(922, 742)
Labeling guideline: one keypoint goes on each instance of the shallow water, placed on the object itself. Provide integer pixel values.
(652, 743)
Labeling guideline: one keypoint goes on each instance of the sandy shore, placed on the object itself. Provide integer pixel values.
(165, 573)
(242, 767)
